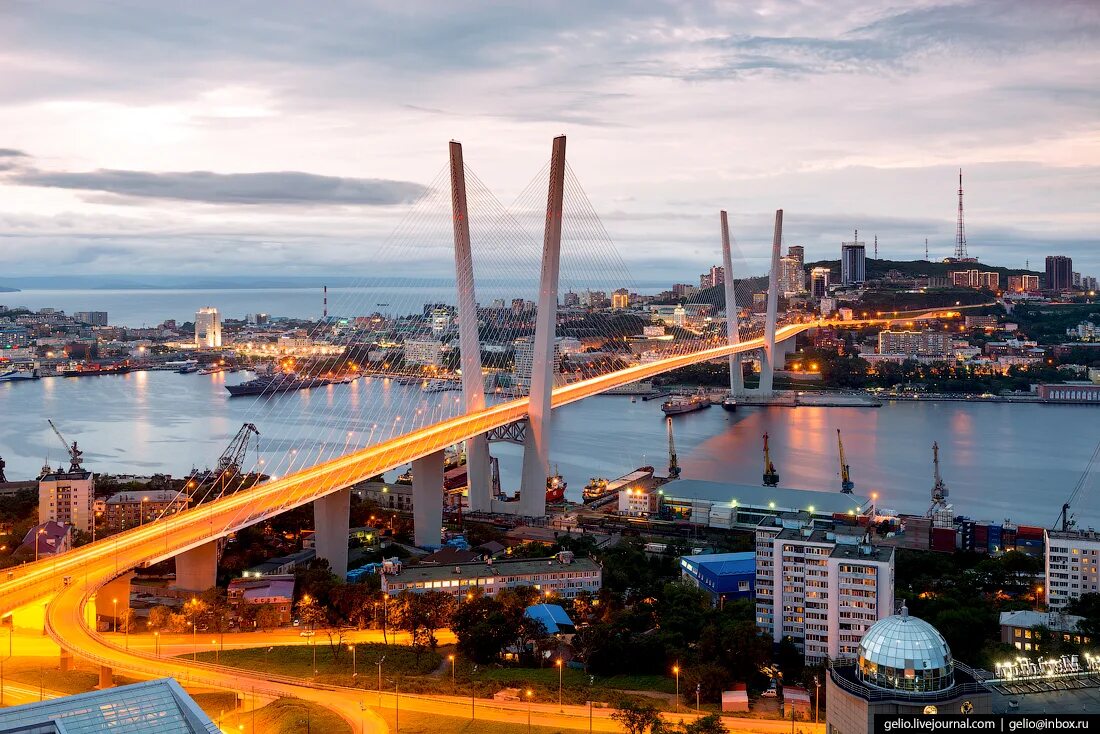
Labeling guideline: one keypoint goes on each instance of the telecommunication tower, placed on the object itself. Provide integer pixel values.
(960, 231)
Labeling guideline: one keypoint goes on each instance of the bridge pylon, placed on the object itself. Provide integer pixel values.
(733, 335)
(536, 448)
(473, 385)
(767, 362)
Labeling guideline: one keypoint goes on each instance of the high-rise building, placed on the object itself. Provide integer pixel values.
(1076, 279)
(424, 352)
(1088, 283)
(989, 279)
(92, 318)
(925, 343)
(1023, 283)
(819, 584)
(819, 282)
(853, 262)
(1059, 273)
(714, 277)
(441, 321)
(524, 363)
(571, 299)
(66, 497)
(208, 328)
(620, 299)
(682, 290)
(792, 278)
(1072, 569)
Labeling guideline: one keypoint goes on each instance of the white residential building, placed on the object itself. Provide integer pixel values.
(208, 328)
(524, 361)
(1071, 565)
(66, 498)
(819, 584)
(428, 352)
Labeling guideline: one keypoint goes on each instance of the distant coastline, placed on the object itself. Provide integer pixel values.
(5, 289)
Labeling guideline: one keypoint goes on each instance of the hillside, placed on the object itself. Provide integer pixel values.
(915, 268)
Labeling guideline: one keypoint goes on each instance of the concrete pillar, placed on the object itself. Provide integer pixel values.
(117, 589)
(536, 449)
(197, 569)
(428, 500)
(733, 335)
(106, 677)
(330, 525)
(473, 384)
(66, 663)
(767, 365)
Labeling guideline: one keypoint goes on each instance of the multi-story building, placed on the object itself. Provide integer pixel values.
(1023, 283)
(1026, 630)
(1059, 273)
(561, 575)
(683, 290)
(440, 320)
(922, 343)
(66, 497)
(92, 318)
(792, 278)
(724, 576)
(1076, 279)
(620, 299)
(14, 337)
(1071, 565)
(853, 263)
(1088, 283)
(571, 299)
(424, 352)
(525, 359)
(276, 590)
(819, 584)
(131, 509)
(980, 322)
(714, 277)
(819, 282)
(208, 328)
(988, 279)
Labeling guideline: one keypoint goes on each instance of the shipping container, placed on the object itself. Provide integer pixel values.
(1029, 531)
(943, 540)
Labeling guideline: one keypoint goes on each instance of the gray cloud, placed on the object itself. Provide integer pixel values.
(278, 187)
(12, 153)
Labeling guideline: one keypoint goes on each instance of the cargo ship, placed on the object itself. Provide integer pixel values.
(555, 488)
(19, 375)
(269, 385)
(89, 370)
(678, 404)
(599, 487)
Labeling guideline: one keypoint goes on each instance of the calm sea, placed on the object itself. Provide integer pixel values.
(999, 461)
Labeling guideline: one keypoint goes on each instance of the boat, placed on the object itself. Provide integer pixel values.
(729, 403)
(19, 375)
(678, 404)
(600, 488)
(282, 382)
(89, 370)
(555, 488)
(439, 385)
(189, 369)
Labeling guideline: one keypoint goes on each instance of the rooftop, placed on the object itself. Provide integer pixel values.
(863, 552)
(552, 616)
(160, 705)
(502, 567)
(724, 564)
(60, 476)
(780, 499)
(1051, 620)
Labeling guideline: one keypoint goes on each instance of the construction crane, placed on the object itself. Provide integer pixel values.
(229, 465)
(771, 476)
(939, 489)
(1065, 519)
(74, 453)
(673, 464)
(846, 483)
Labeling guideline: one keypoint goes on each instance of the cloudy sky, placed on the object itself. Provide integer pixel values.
(286, 137)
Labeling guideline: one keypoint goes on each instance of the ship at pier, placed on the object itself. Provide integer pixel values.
(599, 488)
(685, 404)
(279, 383)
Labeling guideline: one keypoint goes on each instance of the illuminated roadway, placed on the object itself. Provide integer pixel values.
(90, 567)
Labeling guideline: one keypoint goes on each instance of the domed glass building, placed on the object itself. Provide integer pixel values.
(906, 654)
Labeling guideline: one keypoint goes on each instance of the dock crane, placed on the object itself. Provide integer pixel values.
(75, 454)
(939, 489)
(1065, 519)
(771, 476)
(846, 483)
(673, 464)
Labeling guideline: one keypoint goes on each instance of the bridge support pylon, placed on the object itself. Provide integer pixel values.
(330, 522)
(733, 335)
(428, 500)
(536, 449)
(767, 362)
(473, 385)
(106, 677)
(197, 569)
(66, 662)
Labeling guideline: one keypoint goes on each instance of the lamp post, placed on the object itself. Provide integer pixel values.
(37, 540)
(380, 679)
(156, 644)
(529, 694)
(114, 603)
(217, 652)
(354, 672)
(141, 509)
(194, 642)
(452, 659)
(561, 667)
(676, 672)
(817, 696)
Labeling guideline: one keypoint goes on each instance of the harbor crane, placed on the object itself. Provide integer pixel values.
(673, 463)
(846, 483)
(939, 489)
(771, 476)
(1065, 520)
(75, 454)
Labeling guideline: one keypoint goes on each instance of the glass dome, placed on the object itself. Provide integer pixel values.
(905, 653)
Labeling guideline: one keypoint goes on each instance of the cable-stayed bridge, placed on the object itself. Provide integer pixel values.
(67, 583)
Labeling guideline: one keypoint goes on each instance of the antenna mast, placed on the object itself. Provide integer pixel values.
(960, 232)
(876, 247)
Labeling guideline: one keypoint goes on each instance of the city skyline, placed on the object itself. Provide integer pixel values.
(263, 139)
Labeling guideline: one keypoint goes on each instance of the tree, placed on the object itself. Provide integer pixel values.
(267, 617)
(1087, 606)
(310, 612)
(481, 626)
(637, 717)
(709, 724)
(159, 617)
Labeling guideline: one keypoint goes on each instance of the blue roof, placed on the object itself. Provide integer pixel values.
(725, 564)
(552, 616)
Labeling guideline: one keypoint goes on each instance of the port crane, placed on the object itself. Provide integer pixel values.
(75, 454)
(939, 489)
(846, 483)
(673, 463)
(1065, 519)
(771, 476)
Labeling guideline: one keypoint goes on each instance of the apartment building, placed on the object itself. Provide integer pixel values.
(819, 584)
(1071, 565)
(66, 498)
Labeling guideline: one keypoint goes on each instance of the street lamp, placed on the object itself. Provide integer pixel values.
(817, 696)
(529, 694)
(37, 540)
(560, 669)
(156, 644)
(676, 672)
(354, 673)
(194, 642)
(380, 679)
(141, 509)
(217, 652)
(452, 659)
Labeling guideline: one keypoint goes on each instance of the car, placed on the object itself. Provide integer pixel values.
(770, 693)
(297, 622)
(306, 633)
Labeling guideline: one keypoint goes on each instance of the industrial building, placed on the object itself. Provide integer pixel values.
(561, 575)
(724, 576)
(723, 505)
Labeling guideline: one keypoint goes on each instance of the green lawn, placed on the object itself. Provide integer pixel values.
(415, 722)
(284, 716)
(297, 661)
